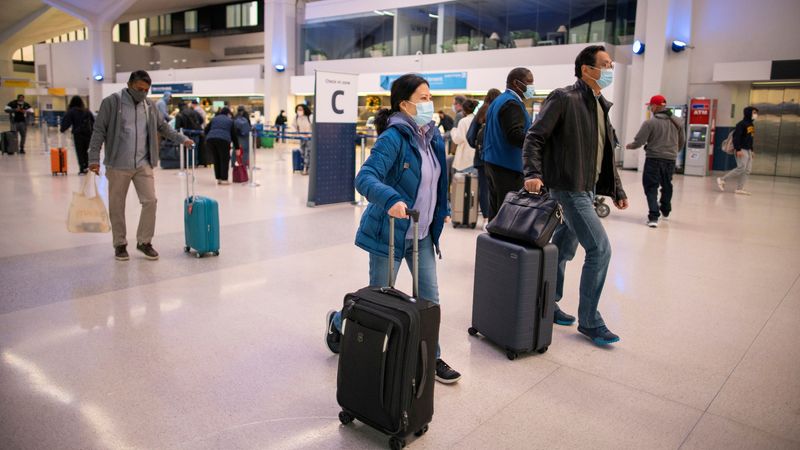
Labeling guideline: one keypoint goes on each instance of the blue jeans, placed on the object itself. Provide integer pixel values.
(582, 226)
(379, 274)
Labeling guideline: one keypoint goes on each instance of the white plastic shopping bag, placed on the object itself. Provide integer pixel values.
(87, 213)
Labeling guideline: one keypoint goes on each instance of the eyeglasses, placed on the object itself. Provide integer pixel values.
(610, 66)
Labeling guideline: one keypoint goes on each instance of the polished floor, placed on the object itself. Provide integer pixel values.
(227, 352)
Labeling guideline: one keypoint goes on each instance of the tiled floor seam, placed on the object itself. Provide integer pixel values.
(457, 443)
(744, 355)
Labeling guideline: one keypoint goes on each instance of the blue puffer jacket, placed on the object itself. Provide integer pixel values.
(391, 174)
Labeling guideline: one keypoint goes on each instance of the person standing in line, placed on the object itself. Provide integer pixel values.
(570, 150)
(242, 126)
(507, 119)
(128, 127)
(405, 169)
(19, 109)
(302, 124)
(81, 120)
(280, 126)
(458, 108)
(663, 137)
(163, 106)
(465, 153)
(475, 139)
(743, 145)
(220, 135)
(200, 111)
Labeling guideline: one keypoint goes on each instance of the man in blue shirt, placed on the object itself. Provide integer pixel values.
(507, 120)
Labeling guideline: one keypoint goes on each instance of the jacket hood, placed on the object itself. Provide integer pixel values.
(748, 113)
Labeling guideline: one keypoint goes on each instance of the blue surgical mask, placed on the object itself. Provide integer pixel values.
(424, 113)
(606, 78)
(529, 91)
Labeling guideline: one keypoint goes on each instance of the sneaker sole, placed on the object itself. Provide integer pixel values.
(600, 341)
(327, 327)
(122, 258)
(443, 381)
(564, 322)
(151, 258)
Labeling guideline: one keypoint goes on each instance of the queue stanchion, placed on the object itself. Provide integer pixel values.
(181, 160)
(253, 165)
(252, 160)
(361, 200)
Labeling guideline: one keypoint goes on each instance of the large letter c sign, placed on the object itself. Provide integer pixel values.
(333, 102)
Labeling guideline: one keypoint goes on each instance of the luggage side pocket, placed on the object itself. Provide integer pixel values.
(362, 370)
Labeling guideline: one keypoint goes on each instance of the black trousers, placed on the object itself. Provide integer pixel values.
(658, 172)
(82, 150)
(501, 182)
(221, 152)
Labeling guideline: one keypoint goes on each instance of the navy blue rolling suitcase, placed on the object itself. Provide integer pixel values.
(513, 300)
(297, 161)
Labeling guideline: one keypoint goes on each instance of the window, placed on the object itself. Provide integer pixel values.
(157, 26)
(115, 33)
(143, 30)
(241, 15)
(190, 21)
(27, 53)
(134, 32)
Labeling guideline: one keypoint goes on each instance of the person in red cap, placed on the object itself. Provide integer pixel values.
(662, 136)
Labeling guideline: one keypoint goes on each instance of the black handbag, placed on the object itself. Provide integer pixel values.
(526, 217)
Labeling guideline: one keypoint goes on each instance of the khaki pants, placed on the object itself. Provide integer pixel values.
(118, 183)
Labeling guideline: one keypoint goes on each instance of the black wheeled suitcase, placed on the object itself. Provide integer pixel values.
(10, 142)
(513, 299)
(387, 357)
(464, 199)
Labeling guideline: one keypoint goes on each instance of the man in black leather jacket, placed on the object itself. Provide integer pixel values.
(566, 151)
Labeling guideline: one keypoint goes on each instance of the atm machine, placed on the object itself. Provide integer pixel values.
(700, 138)
(697, 143)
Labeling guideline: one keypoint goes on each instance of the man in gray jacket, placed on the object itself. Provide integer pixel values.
(663, 137)
(128, 126)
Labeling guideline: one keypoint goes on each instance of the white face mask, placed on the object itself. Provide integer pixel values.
(755, 116)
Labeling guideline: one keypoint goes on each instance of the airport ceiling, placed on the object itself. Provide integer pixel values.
(26, 22)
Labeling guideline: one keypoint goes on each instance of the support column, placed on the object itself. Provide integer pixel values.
(102, 48)
(659, 70)
(279, 48)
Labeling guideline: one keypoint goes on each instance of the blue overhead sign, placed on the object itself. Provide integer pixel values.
(175, 88)
(440, 81)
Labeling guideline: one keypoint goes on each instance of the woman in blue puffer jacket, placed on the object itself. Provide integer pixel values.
(404, 170)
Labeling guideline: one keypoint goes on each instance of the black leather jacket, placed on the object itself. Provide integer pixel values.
(561, 145)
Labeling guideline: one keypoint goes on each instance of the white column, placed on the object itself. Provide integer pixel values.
(280, 47)
(658, 70)
(102, 48)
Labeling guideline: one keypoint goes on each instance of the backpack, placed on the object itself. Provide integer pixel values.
(727, 144)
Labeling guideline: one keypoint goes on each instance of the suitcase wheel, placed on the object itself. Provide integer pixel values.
(345, 417)
(396, 443)
(198, 255)
(422, 431)
(511, 355)
(472, 331)
(186, 249)
(216, 253)
(542, 350)
(602, 210)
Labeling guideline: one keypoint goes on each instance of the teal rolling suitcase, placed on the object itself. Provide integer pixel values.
(200, 222)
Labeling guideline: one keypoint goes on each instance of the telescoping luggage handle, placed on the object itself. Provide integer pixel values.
(189, 194)
(414, 214)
